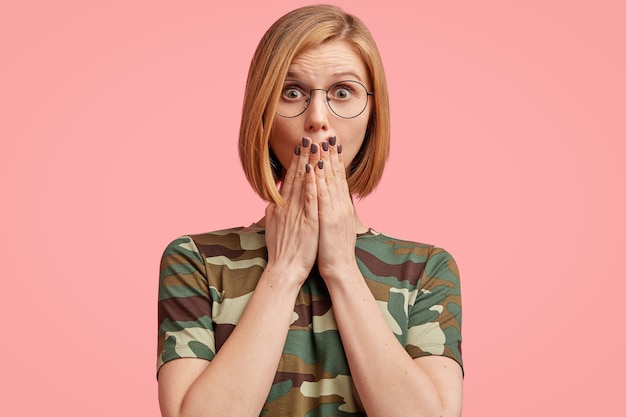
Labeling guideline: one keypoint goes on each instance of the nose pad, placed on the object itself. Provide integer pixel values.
(322, 93)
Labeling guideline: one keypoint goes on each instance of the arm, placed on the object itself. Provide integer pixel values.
(390, 383)
(237, 380)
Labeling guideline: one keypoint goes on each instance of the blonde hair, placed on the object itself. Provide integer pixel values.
(289, 36)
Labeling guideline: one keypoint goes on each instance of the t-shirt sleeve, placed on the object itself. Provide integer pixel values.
(435, 317)
(184, 307)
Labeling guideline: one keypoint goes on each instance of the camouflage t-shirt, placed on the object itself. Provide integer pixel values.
(206, 281)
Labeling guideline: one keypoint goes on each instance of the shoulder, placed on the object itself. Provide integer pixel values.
(219, 242)
(382, 245)
(413, 257)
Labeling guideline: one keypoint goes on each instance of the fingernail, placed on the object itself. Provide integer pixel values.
(307, 168)
(320, 164)
(339, 148)
(298, 150)
(332, 140)
(325, 146)
(314, 148)
(306, 142)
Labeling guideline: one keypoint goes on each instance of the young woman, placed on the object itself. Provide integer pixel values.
(309, 312)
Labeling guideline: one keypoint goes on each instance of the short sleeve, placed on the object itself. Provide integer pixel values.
(435, 317)
(184, 306)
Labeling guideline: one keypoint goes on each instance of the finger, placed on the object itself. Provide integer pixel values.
(315, 154)
(325, 154)
(292, 183)
(336, 158)
(338, 167)
(324, 203)
(287, 182)
(329, 175)
(312, 158)
(310, 195)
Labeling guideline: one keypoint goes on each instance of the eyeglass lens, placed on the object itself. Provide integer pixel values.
(347, 99)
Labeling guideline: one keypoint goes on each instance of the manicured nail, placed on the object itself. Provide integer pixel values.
(314, 148)
(339, 148)
(298, 150)
(332, 140)
(307, 168)
(325, 146)
(320, 164)
(306, 142)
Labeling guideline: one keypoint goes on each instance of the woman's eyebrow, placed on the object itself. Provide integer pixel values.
(347, 75)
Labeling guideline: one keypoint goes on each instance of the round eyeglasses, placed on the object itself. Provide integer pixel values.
(347, 99)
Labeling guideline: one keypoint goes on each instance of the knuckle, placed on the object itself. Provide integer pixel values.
(298, 176)
(289, 178)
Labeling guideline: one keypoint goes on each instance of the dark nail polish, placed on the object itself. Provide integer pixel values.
(325, 146)
(320, 164)
(332, 140)
(339, 148)
(314, 148)
(298, 150)
(306, 142)
(307, 168)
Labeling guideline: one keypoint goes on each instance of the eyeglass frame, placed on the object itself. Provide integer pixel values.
(308, 102)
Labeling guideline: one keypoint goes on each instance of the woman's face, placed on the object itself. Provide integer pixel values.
(320, 67)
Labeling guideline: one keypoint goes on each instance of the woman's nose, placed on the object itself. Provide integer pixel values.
(317, 111)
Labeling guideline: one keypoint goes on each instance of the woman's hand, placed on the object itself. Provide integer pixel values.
(318, 219)
(337, 217)
(292, 231)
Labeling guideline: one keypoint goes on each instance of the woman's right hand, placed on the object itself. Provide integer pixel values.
(292, 231)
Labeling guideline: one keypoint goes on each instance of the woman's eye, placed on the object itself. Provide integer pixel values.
(292, 93)
(342, 93)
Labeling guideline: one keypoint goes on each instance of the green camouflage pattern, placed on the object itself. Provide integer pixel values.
(206, 281)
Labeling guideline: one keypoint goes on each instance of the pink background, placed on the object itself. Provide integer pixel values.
(118, 126)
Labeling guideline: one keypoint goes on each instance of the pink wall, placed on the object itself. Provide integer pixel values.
(118, 127)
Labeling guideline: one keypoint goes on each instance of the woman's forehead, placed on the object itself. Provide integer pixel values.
(331, 60)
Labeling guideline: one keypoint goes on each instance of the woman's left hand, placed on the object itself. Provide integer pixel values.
(337, 217)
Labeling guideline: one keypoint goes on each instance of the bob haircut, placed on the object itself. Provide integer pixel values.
(289, 36)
